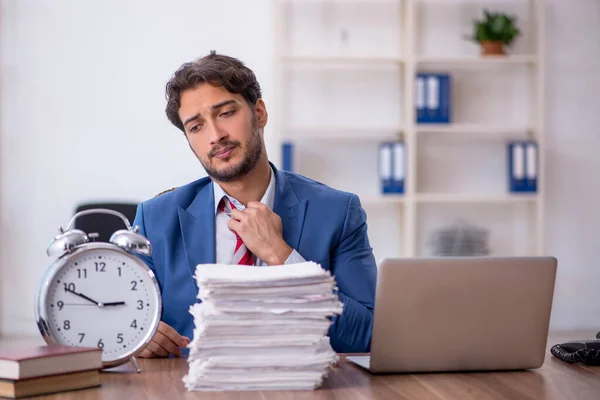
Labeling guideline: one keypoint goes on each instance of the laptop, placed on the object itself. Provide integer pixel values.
(460, 314)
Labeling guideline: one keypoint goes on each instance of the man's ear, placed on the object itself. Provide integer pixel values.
(261, 113)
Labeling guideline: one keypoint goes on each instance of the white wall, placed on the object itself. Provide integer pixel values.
(573, 198)
(82, 117)
(83, 113)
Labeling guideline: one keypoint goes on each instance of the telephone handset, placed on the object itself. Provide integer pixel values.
(583, 351)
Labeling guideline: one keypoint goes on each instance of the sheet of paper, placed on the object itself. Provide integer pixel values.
(262, 328)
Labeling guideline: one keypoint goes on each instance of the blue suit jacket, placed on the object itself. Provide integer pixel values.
(324, 225)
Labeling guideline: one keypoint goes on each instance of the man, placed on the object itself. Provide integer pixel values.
(246, 211)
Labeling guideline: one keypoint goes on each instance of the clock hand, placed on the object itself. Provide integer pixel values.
(116, 303)
(83, 296)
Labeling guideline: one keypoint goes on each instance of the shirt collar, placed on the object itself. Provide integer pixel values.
(268, 198)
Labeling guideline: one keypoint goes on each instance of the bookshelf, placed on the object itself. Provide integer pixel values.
(474, 198)
(345, 82)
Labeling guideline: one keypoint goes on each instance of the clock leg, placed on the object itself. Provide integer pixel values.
(135, 364)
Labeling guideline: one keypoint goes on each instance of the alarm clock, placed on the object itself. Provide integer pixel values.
(98, 294)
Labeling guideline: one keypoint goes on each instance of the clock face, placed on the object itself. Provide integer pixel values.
(102, 297)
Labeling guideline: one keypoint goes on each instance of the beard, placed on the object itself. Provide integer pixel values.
(251, 154)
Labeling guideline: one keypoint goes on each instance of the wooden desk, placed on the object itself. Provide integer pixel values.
(162, 379)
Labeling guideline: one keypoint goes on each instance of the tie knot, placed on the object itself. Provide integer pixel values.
(225, 205)
(241, 254)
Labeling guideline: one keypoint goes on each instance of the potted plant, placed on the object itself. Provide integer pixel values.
(494, 32)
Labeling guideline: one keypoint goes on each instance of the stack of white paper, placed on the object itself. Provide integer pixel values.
(261, 328)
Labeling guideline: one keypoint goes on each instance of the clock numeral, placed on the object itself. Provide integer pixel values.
(120, 338)
(100, 266)
(100, 344)
(66, 325)
(60, 305)
(82, 336)
(133, 285)
(69, 287)
(140, 305)
(82, 272)
(134, 324)
(119, 268)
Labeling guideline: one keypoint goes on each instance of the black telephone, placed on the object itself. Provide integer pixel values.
(583, 351)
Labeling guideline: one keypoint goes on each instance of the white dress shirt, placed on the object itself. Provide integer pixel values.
(226, 240)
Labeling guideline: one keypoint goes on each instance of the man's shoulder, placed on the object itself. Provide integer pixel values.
(177, 196)
(330, 207)
(311, 189)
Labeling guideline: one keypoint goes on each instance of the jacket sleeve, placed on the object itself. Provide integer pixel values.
(355, 270)
(139, 222)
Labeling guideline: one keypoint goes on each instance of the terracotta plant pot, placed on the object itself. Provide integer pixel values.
(492, 48)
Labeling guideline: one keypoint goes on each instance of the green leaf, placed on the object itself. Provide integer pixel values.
(495, 26)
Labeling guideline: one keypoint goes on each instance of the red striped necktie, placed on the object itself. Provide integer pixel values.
(241, 254)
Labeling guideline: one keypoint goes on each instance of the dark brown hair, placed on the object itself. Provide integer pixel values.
(216, 69)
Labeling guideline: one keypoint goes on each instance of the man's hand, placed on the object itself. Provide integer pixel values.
(166, 341)
(262, 233)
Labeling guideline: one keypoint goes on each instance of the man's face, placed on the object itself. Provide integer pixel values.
(222, 130)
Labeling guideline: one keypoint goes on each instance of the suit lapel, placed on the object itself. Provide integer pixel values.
(197, 223)
(290, 210)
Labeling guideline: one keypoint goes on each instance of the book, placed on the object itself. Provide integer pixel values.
(36, 361)
(444, 112)
(420, 98)
(392, 167)
(531, 168)
(287, 154)
(385, 167)
(433, 98)
(49, 384)
(522, 166)
(516, 167)
(398, 167)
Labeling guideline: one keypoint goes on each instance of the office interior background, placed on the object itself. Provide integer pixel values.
(82, 120)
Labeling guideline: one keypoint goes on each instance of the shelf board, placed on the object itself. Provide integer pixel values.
(470, 131)
(342, 133)
(476, 198)
(518, 59)
(343, 1)
(479, 131)
(343, 60)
